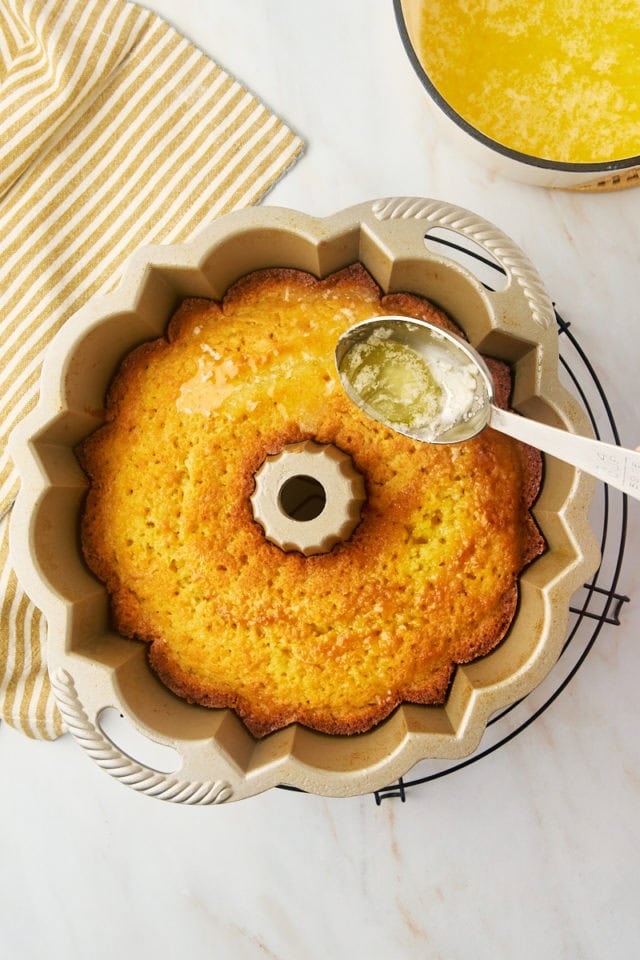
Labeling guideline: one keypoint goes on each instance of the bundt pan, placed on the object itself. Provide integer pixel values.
(93, 668)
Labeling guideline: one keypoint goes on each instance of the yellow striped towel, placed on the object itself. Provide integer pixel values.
(114, 131)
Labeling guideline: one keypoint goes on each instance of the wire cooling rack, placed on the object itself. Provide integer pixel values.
(597, 604)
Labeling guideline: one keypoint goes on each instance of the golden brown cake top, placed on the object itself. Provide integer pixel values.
(428, 578)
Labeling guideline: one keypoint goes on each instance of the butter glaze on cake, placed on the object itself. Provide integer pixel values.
(336, 641)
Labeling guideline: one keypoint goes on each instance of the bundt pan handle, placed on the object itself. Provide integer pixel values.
(407, 222)
(193, 782)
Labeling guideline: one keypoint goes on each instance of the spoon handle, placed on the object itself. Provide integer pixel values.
(617, 466)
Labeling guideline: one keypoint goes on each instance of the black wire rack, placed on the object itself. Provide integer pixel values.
(596, 605)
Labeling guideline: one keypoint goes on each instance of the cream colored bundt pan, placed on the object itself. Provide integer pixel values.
(92, 668)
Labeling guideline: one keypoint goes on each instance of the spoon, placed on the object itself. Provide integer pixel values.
(431, 385)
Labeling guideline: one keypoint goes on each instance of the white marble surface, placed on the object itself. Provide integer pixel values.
(534, 851)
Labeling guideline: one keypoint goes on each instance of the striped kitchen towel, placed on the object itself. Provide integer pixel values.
(115, 131)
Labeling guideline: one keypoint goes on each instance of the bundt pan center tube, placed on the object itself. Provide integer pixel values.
(93, 668)
(308, 497)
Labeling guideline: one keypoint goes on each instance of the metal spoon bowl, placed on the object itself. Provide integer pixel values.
(617, 466)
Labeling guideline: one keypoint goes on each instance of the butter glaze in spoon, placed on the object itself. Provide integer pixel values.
(431, 385)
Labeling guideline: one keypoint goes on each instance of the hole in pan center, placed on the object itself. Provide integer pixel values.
(302, 497)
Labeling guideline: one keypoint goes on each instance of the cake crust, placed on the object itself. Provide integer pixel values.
(428, 579)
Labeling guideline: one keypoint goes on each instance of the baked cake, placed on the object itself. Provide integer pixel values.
(427, 580)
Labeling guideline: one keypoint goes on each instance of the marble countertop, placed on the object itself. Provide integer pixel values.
(531, 852)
